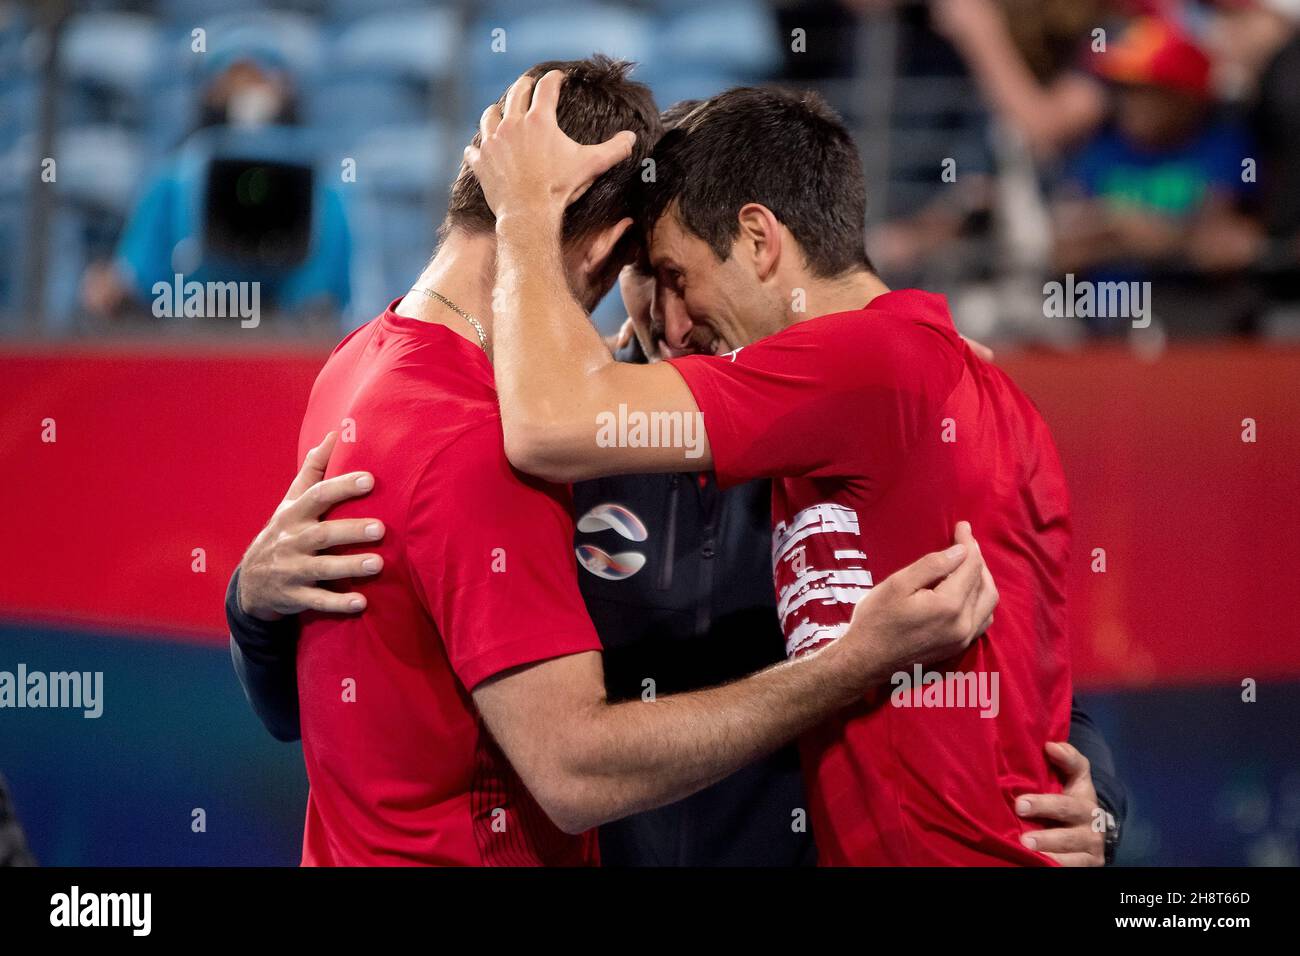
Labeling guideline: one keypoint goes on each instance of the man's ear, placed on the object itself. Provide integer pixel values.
(595, 258)
(760, 233)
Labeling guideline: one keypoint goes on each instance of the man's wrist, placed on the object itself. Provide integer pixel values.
(539, 219)
(258, 614)
(1111, 835)
(850, 671)
(258, 639)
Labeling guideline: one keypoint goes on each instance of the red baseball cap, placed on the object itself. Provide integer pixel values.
(1152, 52)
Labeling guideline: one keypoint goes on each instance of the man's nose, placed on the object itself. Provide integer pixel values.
(677, 324)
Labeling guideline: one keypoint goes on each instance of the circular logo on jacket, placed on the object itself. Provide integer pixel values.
(598, 561)
(611, 567)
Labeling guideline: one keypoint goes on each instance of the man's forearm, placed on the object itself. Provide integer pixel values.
(264, 655)
(588, 762)
(547, 354)
(1004, 78)
(632, 756)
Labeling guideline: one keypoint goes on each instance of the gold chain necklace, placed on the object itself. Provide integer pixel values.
(478, 327)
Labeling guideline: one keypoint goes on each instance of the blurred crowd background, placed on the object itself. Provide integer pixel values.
(308, 145)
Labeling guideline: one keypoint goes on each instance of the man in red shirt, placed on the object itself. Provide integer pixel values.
(460, 718)
(880, 424)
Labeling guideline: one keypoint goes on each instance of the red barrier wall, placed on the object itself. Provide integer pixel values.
(159, 452)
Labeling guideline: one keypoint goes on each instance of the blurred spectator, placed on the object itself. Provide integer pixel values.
(248, 88)
(1259, 46)
(1277, 120)
(1159, 192)
(277, 225)
(1243, 38)
(931, 192)
(1026, 56)
(984, 233)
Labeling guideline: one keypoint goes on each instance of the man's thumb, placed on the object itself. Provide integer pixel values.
(611, 152)
(1067, 759)
(934, 567)
(313, 467)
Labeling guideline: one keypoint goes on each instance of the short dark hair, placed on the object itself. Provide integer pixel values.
(787, 151)
(597, 101)
(672, 117)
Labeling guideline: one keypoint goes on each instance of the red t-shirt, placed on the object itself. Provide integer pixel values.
(884, 430)
(479, 576)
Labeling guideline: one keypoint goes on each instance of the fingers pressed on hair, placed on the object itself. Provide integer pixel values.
(518, 97)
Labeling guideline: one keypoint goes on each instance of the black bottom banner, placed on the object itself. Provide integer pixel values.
(676, 906)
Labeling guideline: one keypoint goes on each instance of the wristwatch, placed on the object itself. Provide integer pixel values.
(1111, 837)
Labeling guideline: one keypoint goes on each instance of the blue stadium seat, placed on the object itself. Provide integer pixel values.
(111, 49)
(173, 111)
(420, 43)
(97, 172)
(342, 11)
(98, 167)
(497, 10)
(403, 161)
(666, 8)
(192, 11)
(15, 29)
(562, 32)
(346, 105)
(17, 169)
(735, 36)
(671, 87)
(108, 59)
(399, 200)
(19, 108)
(387, 70)
(76, 235)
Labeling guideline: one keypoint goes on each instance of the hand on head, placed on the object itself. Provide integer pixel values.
(525, 162)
